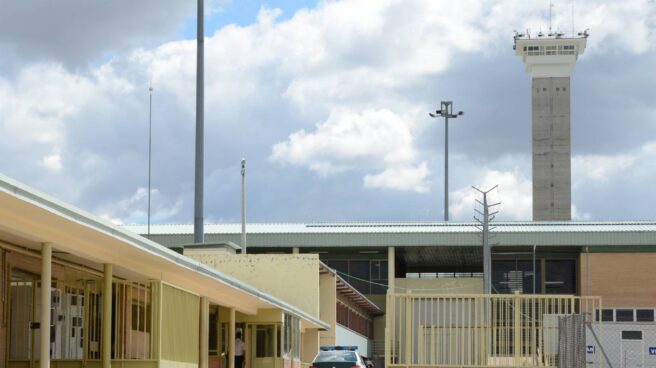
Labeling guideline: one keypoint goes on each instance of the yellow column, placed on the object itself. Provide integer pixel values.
(204, 332)
(46, 280)
(107, 317)
(390, 317)
(231, 339)
(391, 269)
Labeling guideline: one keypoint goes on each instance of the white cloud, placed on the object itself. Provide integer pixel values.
(52, 162)
(514, 193)
(348, 139)
(602, 168)
(360, 68)
(134, 208)
(400, 178)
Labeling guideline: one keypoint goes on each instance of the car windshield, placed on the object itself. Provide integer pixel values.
(336, 356)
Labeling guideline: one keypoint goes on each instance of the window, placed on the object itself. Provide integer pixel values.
(515, 275)
(644, 315)
(291, 337)
(359, 275)
(264, 347)
(560, 277)
(624, 315)
(379, 279)
(631, 335)
(606, 315)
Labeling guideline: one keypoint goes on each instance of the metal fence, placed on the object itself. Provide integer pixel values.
(431, 330)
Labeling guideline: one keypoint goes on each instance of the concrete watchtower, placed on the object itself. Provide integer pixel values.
(550, 61)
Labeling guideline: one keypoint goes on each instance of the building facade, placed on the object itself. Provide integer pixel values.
(587, 260)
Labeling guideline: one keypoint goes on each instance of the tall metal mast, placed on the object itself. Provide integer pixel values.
(199, 233)
(447, 112)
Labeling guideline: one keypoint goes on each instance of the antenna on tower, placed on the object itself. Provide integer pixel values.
(573, 32)
(550, 7)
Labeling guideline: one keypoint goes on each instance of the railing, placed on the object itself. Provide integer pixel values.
(481, 330)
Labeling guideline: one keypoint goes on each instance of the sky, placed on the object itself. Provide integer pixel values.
(328, 102)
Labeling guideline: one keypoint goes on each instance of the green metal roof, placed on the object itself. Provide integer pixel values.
(410, 234)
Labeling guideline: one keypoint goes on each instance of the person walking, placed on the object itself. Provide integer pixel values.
(239, 351)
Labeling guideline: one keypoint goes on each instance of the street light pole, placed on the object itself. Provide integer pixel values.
(446, 111)
(150, 147)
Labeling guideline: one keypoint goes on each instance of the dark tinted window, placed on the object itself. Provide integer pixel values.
(340, 266)
(645, 315)
(359, 275)
(624, 315)
(560, 277)
(606, 315)
(511, 276)
(378, 277)
(631, 335)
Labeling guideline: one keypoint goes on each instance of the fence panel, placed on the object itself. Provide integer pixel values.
(485, 330)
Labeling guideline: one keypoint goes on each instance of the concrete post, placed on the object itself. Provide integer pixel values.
(46, 280)
(295, 250)
(107, 317)
(231, 339)
(204, 333)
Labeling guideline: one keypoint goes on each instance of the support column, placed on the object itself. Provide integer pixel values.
(390, 317)
(107, 317)
(391, 268)
(46, 281)
(231, 339)
(204, 333)
(295, 250)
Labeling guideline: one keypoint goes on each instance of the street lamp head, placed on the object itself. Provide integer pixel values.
(461, 113)
(432, 115)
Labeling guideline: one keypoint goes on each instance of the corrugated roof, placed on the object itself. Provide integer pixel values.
(377, 234)
(402, 227)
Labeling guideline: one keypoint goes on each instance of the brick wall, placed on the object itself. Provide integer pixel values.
(621, 279)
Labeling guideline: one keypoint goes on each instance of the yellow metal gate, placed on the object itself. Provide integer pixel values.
(429, 330)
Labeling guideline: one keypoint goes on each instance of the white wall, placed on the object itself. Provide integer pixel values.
(344, 336)
(624, 354)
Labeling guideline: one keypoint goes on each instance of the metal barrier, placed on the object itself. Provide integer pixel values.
(430, 330)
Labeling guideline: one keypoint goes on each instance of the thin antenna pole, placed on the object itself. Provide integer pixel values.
(573, 18)
(550, 6)
(243, 206)
(199, 233)
(150, 146)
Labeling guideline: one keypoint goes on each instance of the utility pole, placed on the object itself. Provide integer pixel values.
(484, 222)
(199, 232)
(446, 111)
(243, 206)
